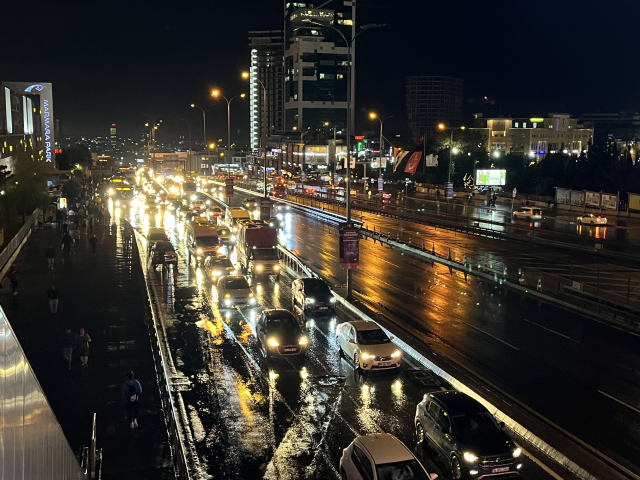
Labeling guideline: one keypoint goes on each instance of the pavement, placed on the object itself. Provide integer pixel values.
(103, 294)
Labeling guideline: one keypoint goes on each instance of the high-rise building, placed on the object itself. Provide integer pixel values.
(316, 63)
(432, 100)
(267, 66)
(113, 136)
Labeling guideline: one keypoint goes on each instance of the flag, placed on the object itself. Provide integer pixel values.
(399, 159)
(412, 164)
(420, 140)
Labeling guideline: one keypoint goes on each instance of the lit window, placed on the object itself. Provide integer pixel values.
(345, 22)
(517, 124)
(535, 124)
(339, 76)
(524, 124)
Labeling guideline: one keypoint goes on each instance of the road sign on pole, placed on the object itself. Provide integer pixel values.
(514, 193)
(448, 190)
(349, 246)
(265, 209)
(229, 187)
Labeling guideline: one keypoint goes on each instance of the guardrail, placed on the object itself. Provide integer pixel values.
(17, 241)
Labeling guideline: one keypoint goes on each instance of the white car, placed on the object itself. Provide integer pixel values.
(367, 345)
(234, 290)
(381, 456)
(592, 219)
(531, 213)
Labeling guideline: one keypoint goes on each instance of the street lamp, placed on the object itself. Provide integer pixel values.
(263, 137)
(373, 116)
(188, 123)
(443, 127)
(216, 93)
(204, 125)
(349, 45)
(151, 138)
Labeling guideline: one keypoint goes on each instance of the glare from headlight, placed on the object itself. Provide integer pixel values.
(251, 294)
(303, 341)
(470, 457)
(227, 302)
(273, 342)
(252, 301)
(258, 267)
(277, 267)
(199, 251)
(332, 299)
(517, 452)
(233, 238)
(216, 273)
(117, 203)
(227, 295)
(366, 356)
(310, 300)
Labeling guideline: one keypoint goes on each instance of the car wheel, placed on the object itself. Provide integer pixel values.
(456, 468)
(420, 432)
(591, 223)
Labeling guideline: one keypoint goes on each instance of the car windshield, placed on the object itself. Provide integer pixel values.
(315, 288)
(164, 246)
(372, 337)
(474, 424)
(282, 322)
(222, 263)
(263, 253)
(236, 284)
(407, 470)
(250, 200)
(208, 241)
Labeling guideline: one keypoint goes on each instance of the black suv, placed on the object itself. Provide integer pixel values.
(312, 295)
(466, 436)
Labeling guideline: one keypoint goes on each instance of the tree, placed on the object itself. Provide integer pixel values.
(70, 157)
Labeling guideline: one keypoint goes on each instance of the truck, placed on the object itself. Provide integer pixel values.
(202, 240)
(257, 249)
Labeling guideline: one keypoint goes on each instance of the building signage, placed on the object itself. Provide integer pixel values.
(491, 177)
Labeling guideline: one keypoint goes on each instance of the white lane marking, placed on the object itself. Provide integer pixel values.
(619, 401)
(552, 331)
(541, 465)
(492, 336)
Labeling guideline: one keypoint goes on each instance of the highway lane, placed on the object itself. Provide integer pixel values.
(282, 419)
(579, 374)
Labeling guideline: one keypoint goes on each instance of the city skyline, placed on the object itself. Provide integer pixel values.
(144, 65)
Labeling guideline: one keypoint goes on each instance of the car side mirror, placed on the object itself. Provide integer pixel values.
(351, 340)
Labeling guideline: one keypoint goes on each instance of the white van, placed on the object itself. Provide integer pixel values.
(233, 214)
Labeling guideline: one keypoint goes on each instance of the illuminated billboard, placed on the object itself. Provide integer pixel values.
(491, 177)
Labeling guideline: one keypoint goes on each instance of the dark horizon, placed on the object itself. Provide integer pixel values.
(127, 64)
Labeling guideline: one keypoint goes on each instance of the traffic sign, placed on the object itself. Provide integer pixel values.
(515, 192)
(265, 209)
(229, 186)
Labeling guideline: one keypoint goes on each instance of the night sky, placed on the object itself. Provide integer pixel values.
(128, 62)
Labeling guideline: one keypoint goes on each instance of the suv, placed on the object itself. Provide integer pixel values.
(381, 456)
(466, 436)
(163, 253)
(312, 295)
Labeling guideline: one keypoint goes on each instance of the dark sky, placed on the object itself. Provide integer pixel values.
(128, 62)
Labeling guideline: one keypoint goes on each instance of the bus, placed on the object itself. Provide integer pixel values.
(123, 196)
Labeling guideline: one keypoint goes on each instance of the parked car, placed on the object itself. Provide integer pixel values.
(234, 290)
(312, 295)
(531, 213)
(466, 436)
(592, 219)
(381, 456)
(369, 347)
(279, 334)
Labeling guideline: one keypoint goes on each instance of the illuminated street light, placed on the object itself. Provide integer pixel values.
(375, 116)
(204, 125)
(216, 93)
(443, 127)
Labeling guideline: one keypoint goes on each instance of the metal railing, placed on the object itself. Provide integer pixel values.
(17, 240)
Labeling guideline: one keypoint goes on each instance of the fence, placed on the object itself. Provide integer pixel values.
(17, 240)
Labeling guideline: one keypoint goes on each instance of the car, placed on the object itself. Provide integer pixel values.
(218, 266)
(214, 212)
(279, 334)
(381, 456)
(183, 211)
(312, 296)
(250, 203)
(234, 290)
(198, 206)
(163, 253)
(592, 219)
(226, 236)
(466, 436)
(276, 222)
(369, 347)
(281, 207)
(531, 213)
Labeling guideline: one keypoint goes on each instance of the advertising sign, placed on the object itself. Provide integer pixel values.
(265, 209)
(349, 246)
(514, 193)
(562, 196)
(634, 202)
(592, 199)
(577, 198)
(610, 202)
(229, 186)
(448, 190)
(491, 177)
(380, 184)
(412, 164)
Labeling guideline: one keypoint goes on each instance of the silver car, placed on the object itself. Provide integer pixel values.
(234, 290)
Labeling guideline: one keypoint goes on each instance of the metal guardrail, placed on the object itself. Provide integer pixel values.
(17, 240)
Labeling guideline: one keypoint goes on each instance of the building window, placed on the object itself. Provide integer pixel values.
(517, 123)
(339, 76)
(524, 124)
(327, 76)
(535, 124)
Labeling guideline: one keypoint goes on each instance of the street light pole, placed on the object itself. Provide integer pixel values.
(381, 120)
(450, 153)
(189, 159)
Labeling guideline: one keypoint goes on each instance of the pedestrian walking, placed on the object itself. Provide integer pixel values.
(82, 342)
(40, 220)
(52, 295)
(130, 395)
(68, 342)
(66, 242)
(51, 256)
(92, 222)
(93, 241)
(65, 228)
(76, 238)
(13, 275)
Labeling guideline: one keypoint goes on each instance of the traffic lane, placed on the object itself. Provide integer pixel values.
(494, 337)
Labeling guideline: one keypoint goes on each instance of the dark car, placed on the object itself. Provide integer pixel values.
(466, 436)
(163, 253)
(276, 223)
(313, 296)
(279, 334)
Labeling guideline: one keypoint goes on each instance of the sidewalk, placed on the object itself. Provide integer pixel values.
(105, 295)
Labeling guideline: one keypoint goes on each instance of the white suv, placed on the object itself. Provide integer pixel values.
(381, 457)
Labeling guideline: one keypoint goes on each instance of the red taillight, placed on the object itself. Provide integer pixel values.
(599, 218)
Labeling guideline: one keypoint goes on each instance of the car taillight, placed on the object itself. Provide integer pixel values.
(599, 218)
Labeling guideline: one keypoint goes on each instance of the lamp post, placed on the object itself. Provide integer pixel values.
(349, 45)
(216, 93)
(263, 136)
(151, 139)
(204, 126)
(189, 160)
(443, 127)
(374, 115)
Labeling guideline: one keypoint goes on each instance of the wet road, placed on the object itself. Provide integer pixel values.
(281, 419)
(577, 373)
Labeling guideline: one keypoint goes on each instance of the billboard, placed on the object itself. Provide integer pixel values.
(491, 177)
(349, 246)
(634, 202)
(562, 196)
(610, 202)
(592, 199)
(577, 198)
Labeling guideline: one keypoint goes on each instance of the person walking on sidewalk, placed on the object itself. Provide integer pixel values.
(66, 242)
(93, 241)
(51, 256)
(52, 295)
(68, 341)
(13, 275)
(130, 394)
(76, 238)
(83, 339)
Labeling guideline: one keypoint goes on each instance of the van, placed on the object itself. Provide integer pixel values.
(233, 214)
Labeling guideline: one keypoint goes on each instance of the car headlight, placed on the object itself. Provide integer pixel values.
(258, 267)
(117, 203)
(395, 354)
(199, 251)
(227, 302)
(233, 238)
(303, 341)
(366, 356)
(273, 342)
(276, 267)
(517, 452)
(216, 273)
(310, 301)
(227, 295)
(470, 457)
(252, 301)
(332, 299)
(234, 229)
(251, 294)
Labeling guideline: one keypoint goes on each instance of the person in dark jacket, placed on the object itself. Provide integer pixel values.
(130, 395)
(52, 295)
(51, 256)
(68, 342)
(13, 274)
(93, 241)
(67, 241)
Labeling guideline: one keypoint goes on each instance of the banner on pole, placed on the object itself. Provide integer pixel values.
(412, 164)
